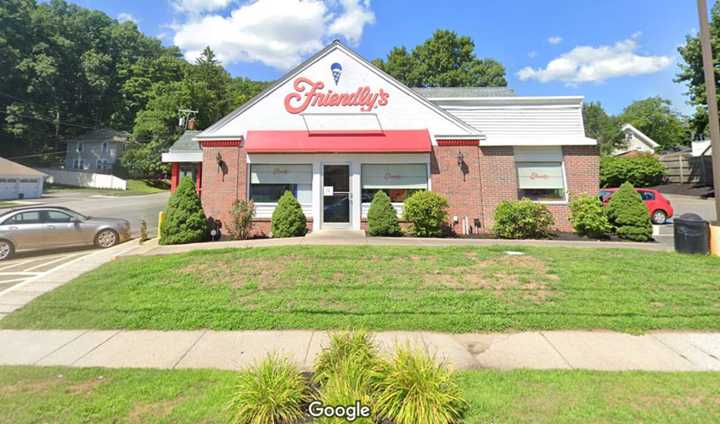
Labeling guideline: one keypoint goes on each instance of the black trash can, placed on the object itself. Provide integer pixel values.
(692, 234)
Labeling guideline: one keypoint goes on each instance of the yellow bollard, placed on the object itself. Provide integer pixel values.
(715, 239)
(161, 218)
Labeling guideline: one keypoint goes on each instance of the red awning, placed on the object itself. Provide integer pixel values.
(387, 141)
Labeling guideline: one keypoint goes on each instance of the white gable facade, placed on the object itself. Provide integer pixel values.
(336, 130)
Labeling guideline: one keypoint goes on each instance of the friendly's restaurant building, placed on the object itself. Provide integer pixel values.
(336, 129)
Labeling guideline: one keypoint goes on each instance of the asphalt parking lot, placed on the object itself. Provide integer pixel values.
(24, 267)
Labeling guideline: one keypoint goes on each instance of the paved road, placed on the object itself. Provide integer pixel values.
(133, 208)
(686, 204)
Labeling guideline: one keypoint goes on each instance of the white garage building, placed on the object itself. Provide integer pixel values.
(19, 182)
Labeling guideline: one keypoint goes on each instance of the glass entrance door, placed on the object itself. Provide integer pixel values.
(336, 194)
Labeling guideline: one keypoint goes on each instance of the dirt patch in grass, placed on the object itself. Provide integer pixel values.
(85, 387)
(158, 409)
(34, 386)
(504, 275)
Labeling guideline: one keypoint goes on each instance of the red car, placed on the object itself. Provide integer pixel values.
(658, 206)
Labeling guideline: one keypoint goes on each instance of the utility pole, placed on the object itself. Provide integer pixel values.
(713, 118)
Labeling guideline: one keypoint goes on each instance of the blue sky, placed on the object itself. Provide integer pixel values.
(612, 51)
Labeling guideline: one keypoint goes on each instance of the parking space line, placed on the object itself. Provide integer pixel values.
(14, 264)
(12, 281)
(62, 258)
(29, 274)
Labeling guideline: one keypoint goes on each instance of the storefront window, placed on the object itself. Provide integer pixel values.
(269, 182)
(540, 174)
(398, 181)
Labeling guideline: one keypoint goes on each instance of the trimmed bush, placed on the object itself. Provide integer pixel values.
(640, 171)
(382, 217)
(349, 382)
(288, 219)
(355, 344)
(413, 389)
(427, 212)
(628, 215)
(522, 219)
(272, 392)
(587, 216)
(185, 221)
(243, 212)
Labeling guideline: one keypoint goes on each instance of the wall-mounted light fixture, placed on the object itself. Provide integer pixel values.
(222, 167)
(460, 159)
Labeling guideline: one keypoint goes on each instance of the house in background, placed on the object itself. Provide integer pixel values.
(185, 157)
(635, 142)
(19, 182)
(96, 151)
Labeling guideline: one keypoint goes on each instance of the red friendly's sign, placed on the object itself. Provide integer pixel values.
(308, 93)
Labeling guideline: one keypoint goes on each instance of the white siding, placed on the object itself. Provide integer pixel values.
(265, 210)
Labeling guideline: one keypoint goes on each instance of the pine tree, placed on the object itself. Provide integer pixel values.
(288, 219)
(382, 217)
(185, 220)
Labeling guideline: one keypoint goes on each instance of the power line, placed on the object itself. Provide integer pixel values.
(52, 121)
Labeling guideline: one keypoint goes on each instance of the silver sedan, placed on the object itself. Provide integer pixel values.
(41, 228)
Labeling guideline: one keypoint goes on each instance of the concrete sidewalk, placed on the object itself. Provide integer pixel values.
(236, 350)
(356, 238)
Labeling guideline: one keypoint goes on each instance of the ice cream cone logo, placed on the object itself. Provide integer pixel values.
(336, 69)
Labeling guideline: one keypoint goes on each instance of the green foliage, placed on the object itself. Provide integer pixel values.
(628, 214)
(445, 60)
(656, 119)
(356, 345)
(288, 219)
(427, 212)
(640, 171)
(602, 127)
(143, 231)
(692, 75)
(522, 219)
(414, 389)
(271, 392)
(349, 382)
(382, 217)
(185, 221)
(588, 218)
(243, 212)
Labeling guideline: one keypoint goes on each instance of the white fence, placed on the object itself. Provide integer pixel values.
(84, 179)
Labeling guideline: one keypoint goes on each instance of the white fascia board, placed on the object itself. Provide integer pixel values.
(511, 101)
(182, 157)
(576, 141)
(477, 136)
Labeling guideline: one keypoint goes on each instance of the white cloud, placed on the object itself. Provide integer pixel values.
(200, 6)
(555, 39)
(597, 64)
(278, 33)
(125, 17)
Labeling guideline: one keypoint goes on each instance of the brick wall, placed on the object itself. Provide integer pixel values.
(461, 185)
(582, 170)
(499, 180)
(224, 184)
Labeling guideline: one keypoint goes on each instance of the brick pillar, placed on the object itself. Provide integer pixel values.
(224, 174)
(499, 179)
(460, 183)
(582, 173)
(174, 175)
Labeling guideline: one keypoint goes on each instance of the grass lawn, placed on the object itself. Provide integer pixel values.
(455, 289)
(135, 188)
(73, 395)
(8, 204)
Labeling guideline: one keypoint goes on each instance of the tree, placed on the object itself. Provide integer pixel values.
(655, 117)
(602, 127)
(382, 217)
(185, 220)
(628, 214)
(691, 72)
(444, 60)
(288, 219)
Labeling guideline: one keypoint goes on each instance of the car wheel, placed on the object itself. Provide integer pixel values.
(106, 238)
(6, 250)
(659, 217)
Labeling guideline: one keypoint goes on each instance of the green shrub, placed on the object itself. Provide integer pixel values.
(588, 218)
(243, 212)
(628, 215)
(522, 219)
(413, 389)
(272, 392)
(288, 219)
(185, 221)
(349, 382)
(382, 217)
(640, 171)
(427, 212)
(355, 344)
